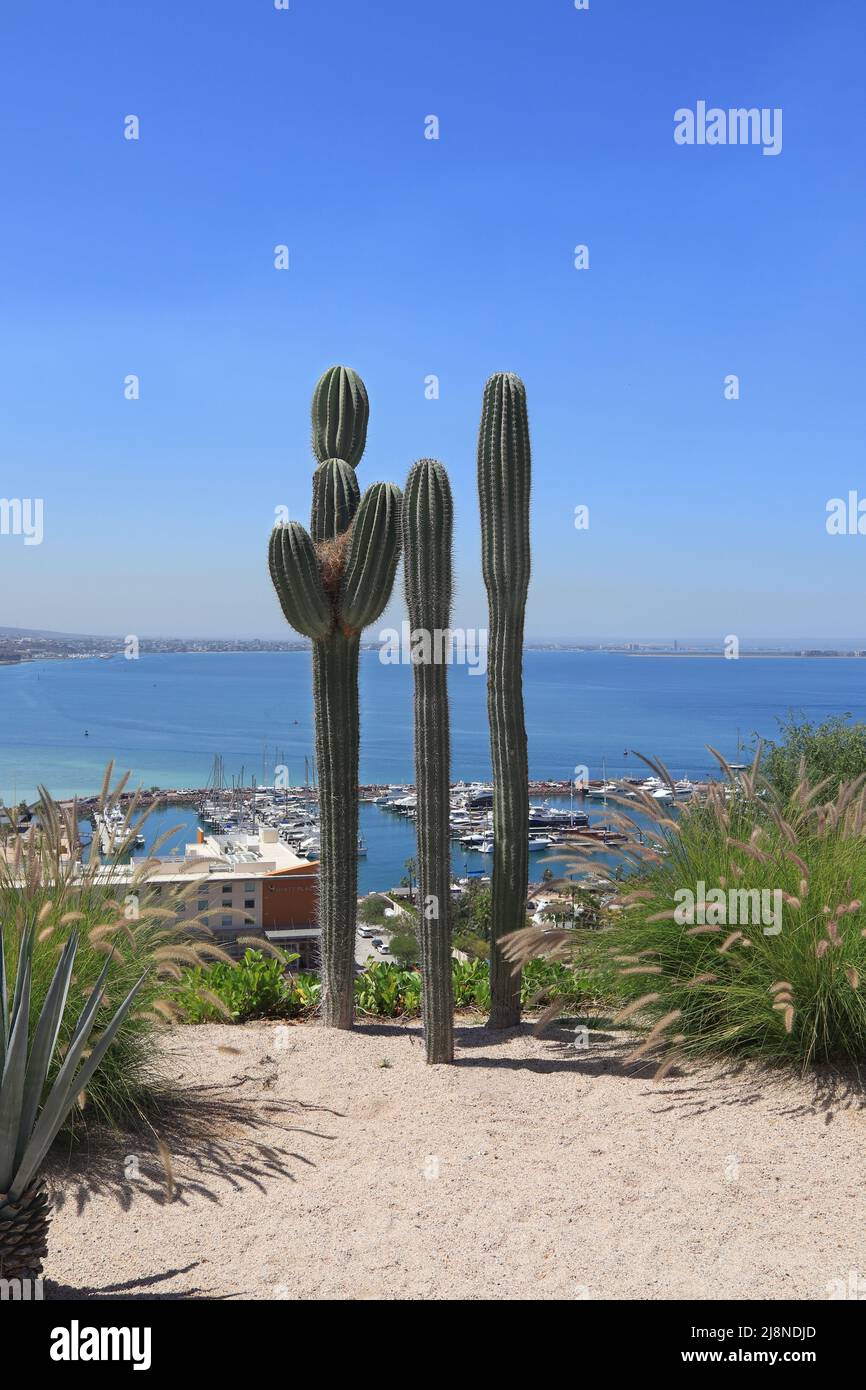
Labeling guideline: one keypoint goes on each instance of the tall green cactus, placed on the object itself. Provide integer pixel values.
(503, 490)
(427, 526)
(331, 583)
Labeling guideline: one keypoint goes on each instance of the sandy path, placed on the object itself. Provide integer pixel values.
(305, 1168)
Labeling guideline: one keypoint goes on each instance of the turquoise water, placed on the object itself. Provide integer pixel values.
(390, 841)
(165, 716)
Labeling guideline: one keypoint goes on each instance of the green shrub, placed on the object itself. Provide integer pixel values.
(388, 990)
(473, 946)
(470, 913)
(404, 948)
(256, 987)
(471, 984)
(832, 752)
(372, 910)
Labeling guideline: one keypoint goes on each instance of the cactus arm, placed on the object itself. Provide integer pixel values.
(335, 499)
(374, 549)
(504, 467)
(335, 697)
(295, 573)
(427, 529)
(340, 415)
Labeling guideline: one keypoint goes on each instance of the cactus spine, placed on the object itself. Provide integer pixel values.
(427, 526)
(503, 490)
(331, 584)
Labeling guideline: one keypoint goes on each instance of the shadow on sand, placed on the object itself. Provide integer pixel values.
(202, 1141)
(712, 1084)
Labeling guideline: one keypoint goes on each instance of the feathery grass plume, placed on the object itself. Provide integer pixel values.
(672, 1060)
(729, 941)
(635, 1007)
(807, 848)
(654, 1038)
(49, 886)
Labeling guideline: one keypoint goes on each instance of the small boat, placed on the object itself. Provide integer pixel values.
(606, 789)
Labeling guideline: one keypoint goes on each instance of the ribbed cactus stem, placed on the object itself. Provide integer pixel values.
(427, 527)
(335, 499)
(503, 488)
(331, 584)
(335, 698)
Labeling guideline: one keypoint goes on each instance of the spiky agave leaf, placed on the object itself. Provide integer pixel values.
(26, 1133)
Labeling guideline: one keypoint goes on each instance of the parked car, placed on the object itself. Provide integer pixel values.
(383, 949)
(367, 931)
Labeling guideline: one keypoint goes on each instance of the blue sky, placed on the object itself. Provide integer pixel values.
(453, 257)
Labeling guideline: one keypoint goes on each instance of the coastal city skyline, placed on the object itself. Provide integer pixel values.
(17, 644)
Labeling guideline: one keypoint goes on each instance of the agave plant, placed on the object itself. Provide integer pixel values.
(120, 912)
(31, 1111)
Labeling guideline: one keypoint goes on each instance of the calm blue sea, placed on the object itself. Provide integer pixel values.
(164, 717)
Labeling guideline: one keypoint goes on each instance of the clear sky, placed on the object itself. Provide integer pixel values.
(411, 257)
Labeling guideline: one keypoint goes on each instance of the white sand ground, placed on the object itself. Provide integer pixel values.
(305, 1168)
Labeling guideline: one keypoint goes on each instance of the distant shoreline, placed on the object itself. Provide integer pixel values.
(829, 655)
(762, 656)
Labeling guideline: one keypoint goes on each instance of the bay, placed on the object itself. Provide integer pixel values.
(163, 717)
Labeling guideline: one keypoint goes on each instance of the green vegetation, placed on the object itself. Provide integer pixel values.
(471, 920)
(332, 582)
(830, 753)
(388, 991)
(40, 1082)
(404, 948)
(503, 490)
(259, 988)
(744, 933)
(471, 915)
(372, 911)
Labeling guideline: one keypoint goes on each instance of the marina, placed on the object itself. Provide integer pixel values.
(561, 819)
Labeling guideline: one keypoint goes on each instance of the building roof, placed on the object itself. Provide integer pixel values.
(240, 854)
